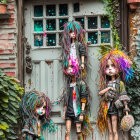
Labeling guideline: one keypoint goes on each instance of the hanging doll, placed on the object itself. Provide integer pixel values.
(115, 69)
(35, 110)
(76, 89)
(74, 48)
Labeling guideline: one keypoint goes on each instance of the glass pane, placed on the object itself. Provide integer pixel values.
(38, 25)
(38, 40)
(105, 22)
(51, 40)
(38, 11)
(81, 20)
(93, 37)
(92, 22)
(63, 9)
(61, 23)
(51, 25)
(105, 37)
(50, 10)
(76, 7)
(60, 37)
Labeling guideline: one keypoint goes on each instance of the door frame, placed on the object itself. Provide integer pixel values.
(123, 33)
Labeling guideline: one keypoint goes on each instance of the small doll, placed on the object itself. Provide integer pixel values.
(35, 110)
(74, 48)
(74, 51)
(115, 69)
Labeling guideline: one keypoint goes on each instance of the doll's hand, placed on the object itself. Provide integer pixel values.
(112, 88)
(81, 117)
(64, 115)
(82, 66)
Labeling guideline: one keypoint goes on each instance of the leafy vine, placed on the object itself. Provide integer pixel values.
(10, 93)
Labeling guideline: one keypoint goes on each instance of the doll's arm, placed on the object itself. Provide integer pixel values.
(64, 112)
(123, 97)
(102, 92)
(83, 62)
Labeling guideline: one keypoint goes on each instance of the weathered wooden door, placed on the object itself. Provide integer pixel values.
(44, 21)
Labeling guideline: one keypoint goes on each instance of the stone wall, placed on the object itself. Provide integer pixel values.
(8, 40)
(134, 26)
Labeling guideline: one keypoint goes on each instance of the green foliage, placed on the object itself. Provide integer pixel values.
(110, 8)
(10, 93)
(3, 1)
(133, 90)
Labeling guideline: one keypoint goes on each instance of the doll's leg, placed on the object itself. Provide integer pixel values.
(110, 128)
(68, 128)
(114, 126)
(78, 131)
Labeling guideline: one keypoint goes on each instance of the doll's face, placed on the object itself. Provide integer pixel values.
(72, 35)
(41, 110)
(111, 70)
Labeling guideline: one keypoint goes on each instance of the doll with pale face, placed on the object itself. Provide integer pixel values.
(115, 69)
(74, 48)
(35, 110)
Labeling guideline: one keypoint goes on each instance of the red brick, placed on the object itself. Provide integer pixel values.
(7, 36)
(10, 74)
(11, 20)
(4, 65)
(12, 65)
(11, 7)
(1, 51)
(12, 15)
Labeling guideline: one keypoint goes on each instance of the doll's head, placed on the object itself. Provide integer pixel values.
(115, 63)
(35, 105)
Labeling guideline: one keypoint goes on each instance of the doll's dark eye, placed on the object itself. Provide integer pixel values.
(112, 65)
(107, 66)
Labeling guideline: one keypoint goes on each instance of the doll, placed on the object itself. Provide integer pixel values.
(74, 48)
(115, 69)
(35, 110)
(74, 52)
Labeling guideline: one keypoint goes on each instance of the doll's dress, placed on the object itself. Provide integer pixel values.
(112, 110)
(71, 113)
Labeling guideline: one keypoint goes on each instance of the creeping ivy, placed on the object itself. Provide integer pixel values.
(10, 94)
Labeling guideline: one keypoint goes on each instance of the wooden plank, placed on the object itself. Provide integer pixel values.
(19, 41)
(124, 24)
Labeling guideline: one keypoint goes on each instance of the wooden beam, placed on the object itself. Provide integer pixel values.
(19, 41)
(124, 24)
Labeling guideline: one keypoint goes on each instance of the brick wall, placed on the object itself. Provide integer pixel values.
(8, 41)
(134, 26)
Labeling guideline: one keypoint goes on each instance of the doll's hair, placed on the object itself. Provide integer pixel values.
(73, 26)
(30, 101)
(121, 61)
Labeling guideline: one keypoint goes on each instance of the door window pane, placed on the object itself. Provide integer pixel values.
(93, 37)
(92, 22)
(38, 40)
(51, 40)
(51, 25)
(105, 22)
(38, 25)
(38, 11)
(76, 7)
(63, 9)
(61, 23)
(50, 10)
(81, 20)
(105, 37)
